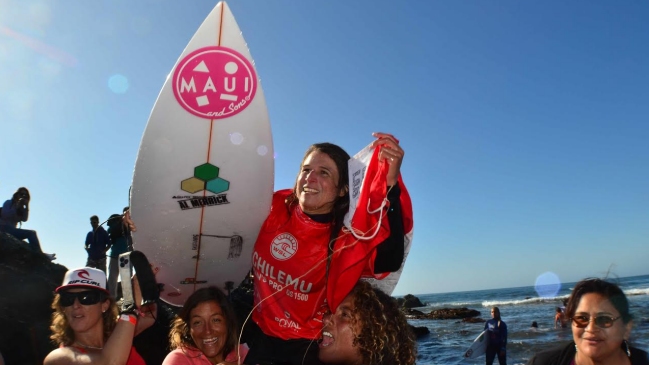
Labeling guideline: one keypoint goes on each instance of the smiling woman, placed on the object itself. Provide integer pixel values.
(601, 327)
(367, 328)
(205, 331)
(86, 326)
(302, 243)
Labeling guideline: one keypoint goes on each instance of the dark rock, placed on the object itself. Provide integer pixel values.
(28, 280)
(473, 320)
(453, 313)
(445, 313)
(409, 301)
(419, 331)
(413, 313)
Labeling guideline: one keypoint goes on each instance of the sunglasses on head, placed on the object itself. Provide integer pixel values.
(602, 321)
(88, 297)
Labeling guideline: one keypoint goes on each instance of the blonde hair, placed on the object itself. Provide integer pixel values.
(62, 333)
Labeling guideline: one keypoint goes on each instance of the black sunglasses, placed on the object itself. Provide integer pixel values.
(88, 297)
(600, 321)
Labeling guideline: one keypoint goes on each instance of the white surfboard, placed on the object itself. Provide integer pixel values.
(203, 179)
(478, 347)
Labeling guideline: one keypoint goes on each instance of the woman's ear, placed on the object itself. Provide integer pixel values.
(343, 191)
(105, 305)
(627, 330)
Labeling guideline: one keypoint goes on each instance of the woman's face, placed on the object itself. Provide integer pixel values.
(316, 186)
(83, 317)
(593, 341)
(208, 328)
(340, 329)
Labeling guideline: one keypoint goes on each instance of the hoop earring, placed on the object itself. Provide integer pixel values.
(626, 346)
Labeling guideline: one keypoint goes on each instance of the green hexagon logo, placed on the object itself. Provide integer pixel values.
(206, 172)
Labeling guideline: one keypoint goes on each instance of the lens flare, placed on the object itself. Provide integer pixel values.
(262, 150)
(236, 138)
(118, 84)
(40, 47)
(547, 285)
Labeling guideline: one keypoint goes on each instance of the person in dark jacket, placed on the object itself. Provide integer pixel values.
(119, 245)
(497, 331)
(601, 325)
(97, 243)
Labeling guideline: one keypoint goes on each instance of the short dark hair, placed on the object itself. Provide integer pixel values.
(94, 218)
(607, 289)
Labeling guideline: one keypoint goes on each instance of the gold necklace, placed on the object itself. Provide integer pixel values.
(88, 347)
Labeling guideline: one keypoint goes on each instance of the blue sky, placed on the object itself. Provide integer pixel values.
(525, 124)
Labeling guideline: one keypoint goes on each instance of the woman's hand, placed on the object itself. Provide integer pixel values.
(128, 222)
(391, 153)
(148, 313)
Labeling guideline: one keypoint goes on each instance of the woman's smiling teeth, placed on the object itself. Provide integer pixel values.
(309, 190)
(210, 341)
(327, 339)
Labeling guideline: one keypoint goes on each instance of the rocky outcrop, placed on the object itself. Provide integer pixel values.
(410, 301)
(27, 281)
(444, 313)
(473, 320)
(419, 331)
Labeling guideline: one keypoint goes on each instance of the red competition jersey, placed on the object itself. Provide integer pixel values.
(290, 259)
(289, 263)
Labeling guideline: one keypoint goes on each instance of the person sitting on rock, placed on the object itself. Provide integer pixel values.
(15, 211)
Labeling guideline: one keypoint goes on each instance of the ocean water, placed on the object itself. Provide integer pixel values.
(448, 339)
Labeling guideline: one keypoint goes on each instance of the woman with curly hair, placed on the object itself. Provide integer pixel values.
(205, 331)
(367, 329)
(86, 325)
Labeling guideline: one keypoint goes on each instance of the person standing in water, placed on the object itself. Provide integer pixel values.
(497, 332)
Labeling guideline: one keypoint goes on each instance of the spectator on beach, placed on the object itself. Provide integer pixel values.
(118, 246)
(367, 328)
(205, 331)
(310, 216)
(97, 244)
(497, 332)
(601, 327)
(16, 210)
(86, 326)
(560, 320)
